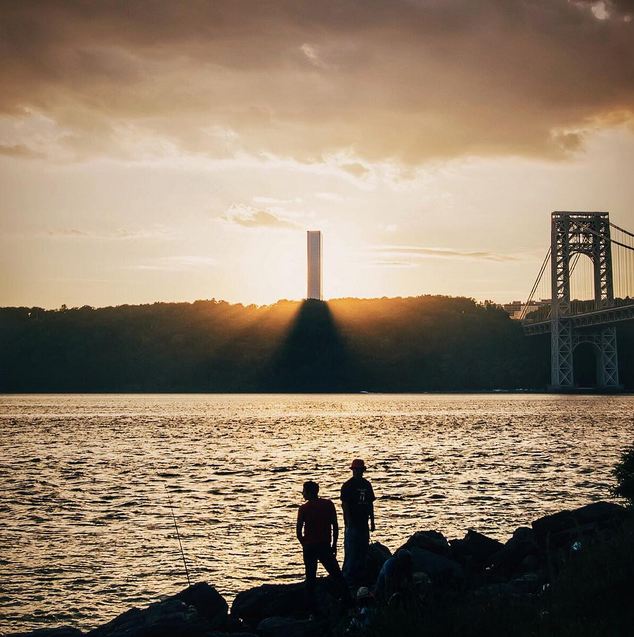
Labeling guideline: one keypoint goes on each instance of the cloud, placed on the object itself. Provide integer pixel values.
(124, 234)
(329, 196)
(312, 55)
(250, 217)
(180, 263)
(356, 169)
(19, 150)
(604, 9)
(406, 81)
(421, 252)
(386, 263)
(276, 200)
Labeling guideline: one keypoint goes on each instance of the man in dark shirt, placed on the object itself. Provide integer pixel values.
(317, 531)
(357, 502)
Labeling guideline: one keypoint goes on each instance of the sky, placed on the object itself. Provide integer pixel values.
(167, 151)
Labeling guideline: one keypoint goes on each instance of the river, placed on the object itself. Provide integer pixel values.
(86, 525)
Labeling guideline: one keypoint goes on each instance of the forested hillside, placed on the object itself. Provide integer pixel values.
(427, 343)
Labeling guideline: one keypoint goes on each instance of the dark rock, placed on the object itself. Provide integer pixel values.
(378, 554)
(431, 541)
(269, 600)
(285, 600)
(493, 591)
(549, 526)
(62, 631)
(527, 584)
(441, 570)
(600, 513)
(289, 627)
(561, 529)
(235, 625)
(475, 549)
(519, 587)
(242, 634)
(521, 552)
(169, 618)
(207, 601)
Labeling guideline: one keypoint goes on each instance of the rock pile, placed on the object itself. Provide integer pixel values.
(475, 565)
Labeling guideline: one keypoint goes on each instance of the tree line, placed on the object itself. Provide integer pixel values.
(424, 343)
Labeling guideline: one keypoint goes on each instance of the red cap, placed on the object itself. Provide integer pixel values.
(357, 463)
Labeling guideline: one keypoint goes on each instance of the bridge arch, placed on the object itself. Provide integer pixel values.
(587, 365)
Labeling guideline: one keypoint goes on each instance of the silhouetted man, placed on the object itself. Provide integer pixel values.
(357, 502)
(317, 531)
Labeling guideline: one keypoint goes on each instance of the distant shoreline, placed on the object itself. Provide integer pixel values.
(414, 345)
(493, 392)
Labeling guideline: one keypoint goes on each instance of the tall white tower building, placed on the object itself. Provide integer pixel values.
(314, 265)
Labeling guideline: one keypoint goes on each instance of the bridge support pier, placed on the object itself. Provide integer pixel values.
(583, 233)
(561, 355)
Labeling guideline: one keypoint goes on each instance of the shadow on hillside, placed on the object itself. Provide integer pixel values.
(312, 358)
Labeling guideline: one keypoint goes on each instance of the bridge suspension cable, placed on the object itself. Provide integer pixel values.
(535, 287)
(623, 230)
(582, 286)
(622, 241)
(623, 263)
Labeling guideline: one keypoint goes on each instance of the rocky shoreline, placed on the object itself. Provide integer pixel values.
(475, 569)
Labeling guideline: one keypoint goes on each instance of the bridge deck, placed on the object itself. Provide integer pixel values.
(586, 319)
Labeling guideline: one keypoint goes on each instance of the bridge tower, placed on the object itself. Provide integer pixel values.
(585, 233)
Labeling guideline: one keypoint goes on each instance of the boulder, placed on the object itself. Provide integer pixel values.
(289, 627)
(493, 591)
(520, 551)
(62, 631)
(285, 600)
(169, 618)
(561, 529)
(550, 526)
(195, 611)
(234, 625)
(519, 587)
(209, 603)
(269, 600)
(527, 584)
(441, 570)
(475, 549)
(601, 513)
(431, 541)
(378, 554)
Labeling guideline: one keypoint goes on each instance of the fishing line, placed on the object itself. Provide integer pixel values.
(178, 535)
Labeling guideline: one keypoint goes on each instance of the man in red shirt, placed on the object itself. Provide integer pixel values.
(317, 532)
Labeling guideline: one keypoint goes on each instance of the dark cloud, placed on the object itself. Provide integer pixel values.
(408, 80)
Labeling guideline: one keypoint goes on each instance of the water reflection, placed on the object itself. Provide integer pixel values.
(87, 529)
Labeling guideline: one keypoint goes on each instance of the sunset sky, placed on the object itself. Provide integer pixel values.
(165, 151)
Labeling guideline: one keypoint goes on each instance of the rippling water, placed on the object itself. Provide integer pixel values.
(86, 525)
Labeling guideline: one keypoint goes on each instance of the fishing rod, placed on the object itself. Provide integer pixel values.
(178, 535)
